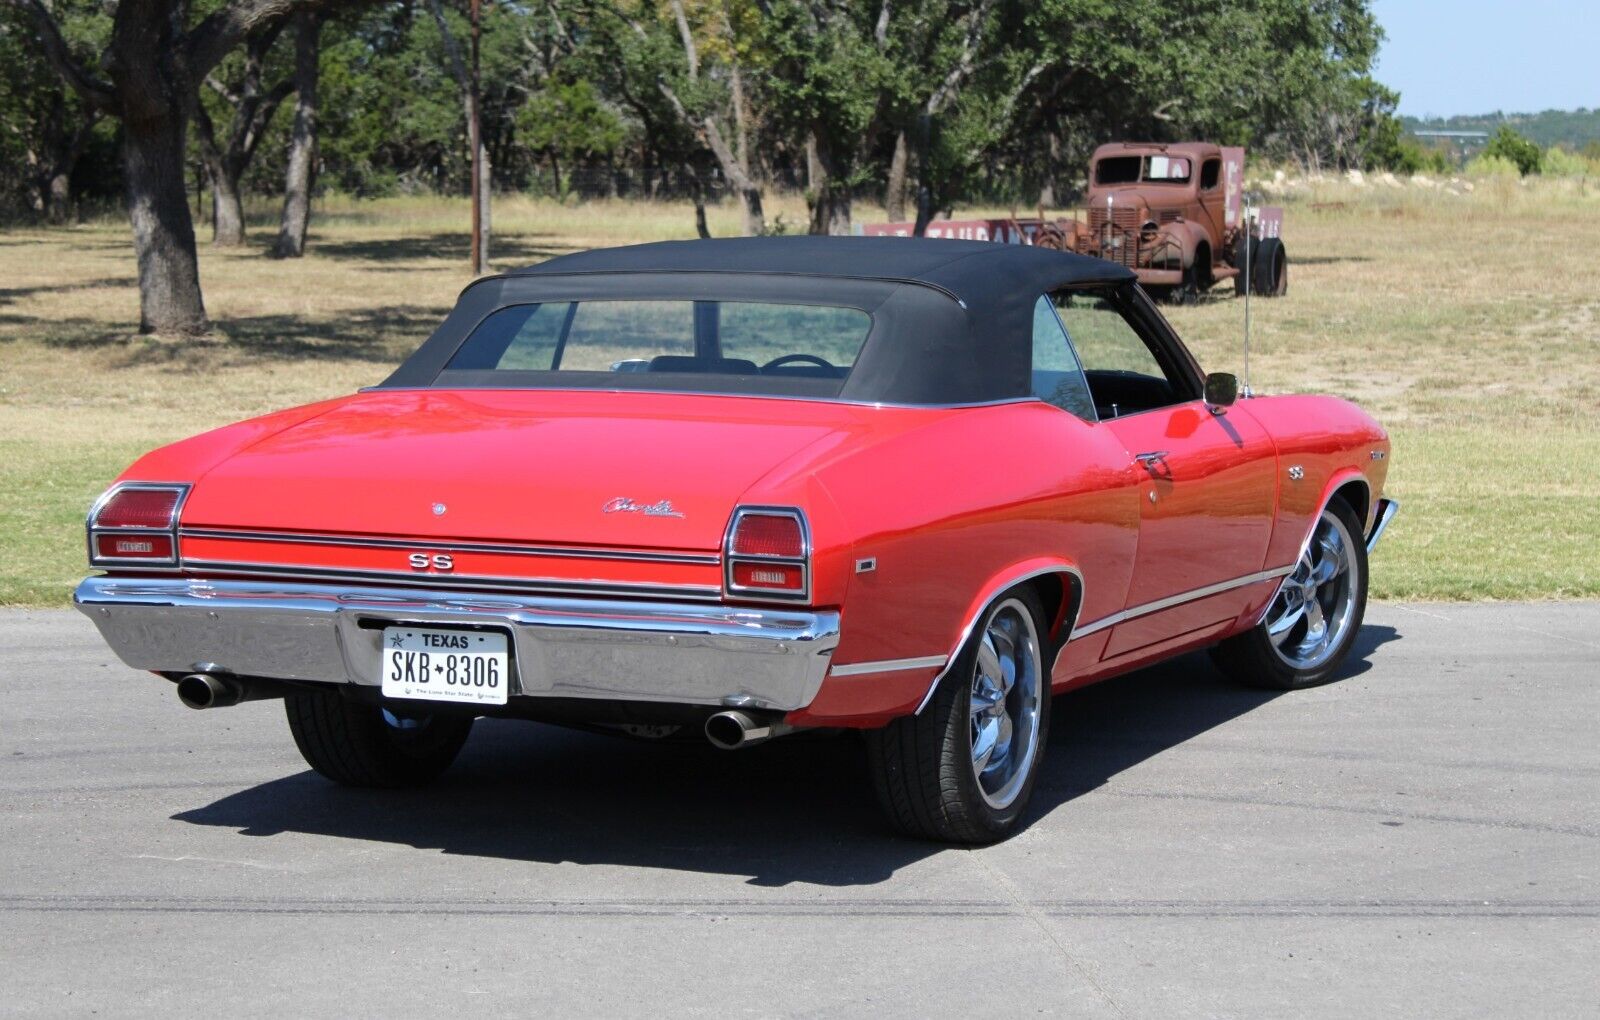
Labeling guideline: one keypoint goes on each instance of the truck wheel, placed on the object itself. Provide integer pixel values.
(367, 745)
(1313, 619)
(1245, 246)
(1271, 268)
(1187, 292)
(962, 770)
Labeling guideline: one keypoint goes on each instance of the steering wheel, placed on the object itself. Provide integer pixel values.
(793, 359)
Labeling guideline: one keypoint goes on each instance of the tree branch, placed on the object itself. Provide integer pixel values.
(263, 115)
(969, 51)
(458, 66)
(98, 94)
(691, 55)
(211, 40)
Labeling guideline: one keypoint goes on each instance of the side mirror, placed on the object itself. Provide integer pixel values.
(1222, 389)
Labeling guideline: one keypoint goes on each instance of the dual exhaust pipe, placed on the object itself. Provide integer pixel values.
(211, 690)
(730, 730)
(735, 728)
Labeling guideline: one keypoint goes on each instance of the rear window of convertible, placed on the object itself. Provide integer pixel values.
(758, 341)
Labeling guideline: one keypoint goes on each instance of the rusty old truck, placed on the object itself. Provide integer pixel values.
(1174, 213)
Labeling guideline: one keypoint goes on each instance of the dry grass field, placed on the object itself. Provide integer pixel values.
(1470, 325)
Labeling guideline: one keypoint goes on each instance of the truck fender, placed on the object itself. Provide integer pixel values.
(1188, 237)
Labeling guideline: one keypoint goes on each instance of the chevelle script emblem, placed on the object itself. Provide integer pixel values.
(624, 505)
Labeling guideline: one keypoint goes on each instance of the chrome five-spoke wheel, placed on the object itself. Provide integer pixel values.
(1004, 706)
(1312, 620)
(1314, 607)
(962, 769)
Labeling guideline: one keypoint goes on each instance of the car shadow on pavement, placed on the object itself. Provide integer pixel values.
(795, 810)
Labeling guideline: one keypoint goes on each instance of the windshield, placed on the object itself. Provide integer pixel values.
(755, 341)
(1150, 169)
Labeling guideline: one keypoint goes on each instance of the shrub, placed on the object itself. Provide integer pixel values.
(1487, 165)
(1515, 149)
(1559, 162)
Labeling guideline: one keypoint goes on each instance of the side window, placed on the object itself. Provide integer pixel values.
(608, 333)
(1057, 375)
(1209, 173)
(521, 336)
(1123, 372)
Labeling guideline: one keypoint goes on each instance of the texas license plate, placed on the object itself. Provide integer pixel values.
(446, 665)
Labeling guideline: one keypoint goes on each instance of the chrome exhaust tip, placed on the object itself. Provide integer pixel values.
(203, 690)
(733, 729)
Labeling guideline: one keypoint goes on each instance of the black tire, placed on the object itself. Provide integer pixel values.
(922, 765)
(1254, 660)
(1271, 268)
(1245, 250)
(1187, 292)
(353, 745)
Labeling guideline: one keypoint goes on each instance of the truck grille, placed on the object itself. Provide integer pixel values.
(1115, 237)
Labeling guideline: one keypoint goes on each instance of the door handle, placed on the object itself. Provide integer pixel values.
(1152, 458)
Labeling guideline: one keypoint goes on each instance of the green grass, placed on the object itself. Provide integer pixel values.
(1469, 325)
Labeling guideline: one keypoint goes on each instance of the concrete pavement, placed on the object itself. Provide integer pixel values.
(1418, 839)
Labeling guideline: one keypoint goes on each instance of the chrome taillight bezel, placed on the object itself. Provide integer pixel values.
(802, 562)
(93, 528)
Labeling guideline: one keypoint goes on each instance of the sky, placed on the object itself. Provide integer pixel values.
(1477, 56)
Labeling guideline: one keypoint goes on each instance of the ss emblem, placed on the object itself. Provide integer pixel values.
(438, 561)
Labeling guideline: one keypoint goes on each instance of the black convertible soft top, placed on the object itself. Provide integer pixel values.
(951, 320)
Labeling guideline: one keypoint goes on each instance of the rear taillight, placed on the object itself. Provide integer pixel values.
(767, 554)
(136, 524)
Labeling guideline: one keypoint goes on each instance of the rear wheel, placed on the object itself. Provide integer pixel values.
(962, 770)
(1245, 250)
(1271, 268)
(1313, 619)
(1188, 291)
(369, 745)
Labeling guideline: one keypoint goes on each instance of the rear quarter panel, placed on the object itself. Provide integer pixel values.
(946, 507)
(187, 460)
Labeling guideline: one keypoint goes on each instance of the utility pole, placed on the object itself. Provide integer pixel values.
(475, 140)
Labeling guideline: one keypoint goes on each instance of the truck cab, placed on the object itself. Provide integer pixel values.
(1170, 212)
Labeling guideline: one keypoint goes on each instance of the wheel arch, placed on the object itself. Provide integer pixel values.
(1059, 584)
(1354, 490)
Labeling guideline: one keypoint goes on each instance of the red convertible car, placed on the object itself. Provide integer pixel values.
(751, 487)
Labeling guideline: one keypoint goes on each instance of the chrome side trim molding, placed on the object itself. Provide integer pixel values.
(428, 545)
(1387, 508)
(1134, 612)
(1070, 626)
(294, 572)
(887, 666)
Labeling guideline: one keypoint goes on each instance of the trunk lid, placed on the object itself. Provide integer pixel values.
(593, 469)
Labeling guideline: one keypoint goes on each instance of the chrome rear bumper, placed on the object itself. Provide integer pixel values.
(703, 654)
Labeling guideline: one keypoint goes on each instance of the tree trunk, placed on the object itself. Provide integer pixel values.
(60, 209)
(485, 187)
(163, 235)
(830, 198)
(227, 209)
(894, 196)
(924, 184)
(298, 177)
(697, 192)
(1052, 164)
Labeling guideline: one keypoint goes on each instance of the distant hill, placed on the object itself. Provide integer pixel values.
(1570, 128)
